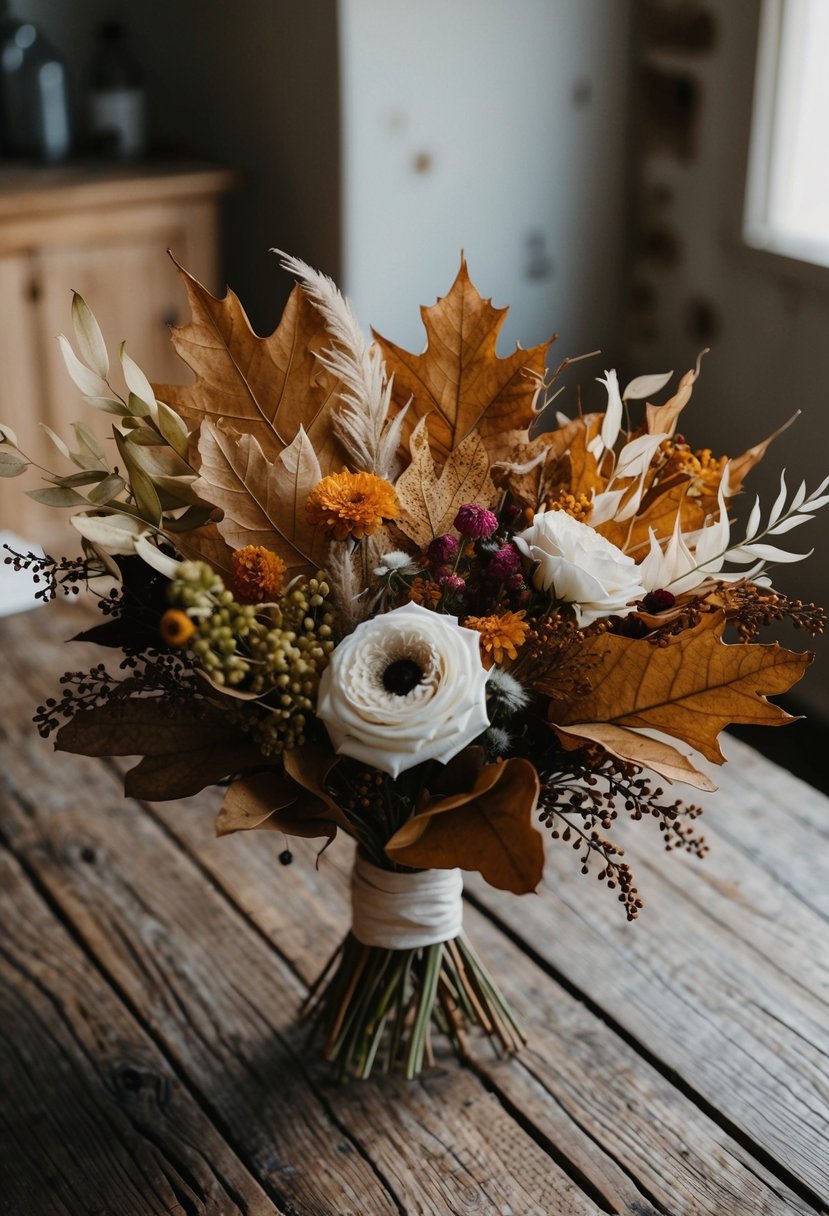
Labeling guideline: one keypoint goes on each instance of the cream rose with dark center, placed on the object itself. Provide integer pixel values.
(405, 687)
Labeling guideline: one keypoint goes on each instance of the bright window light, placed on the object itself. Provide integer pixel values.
(787, 200)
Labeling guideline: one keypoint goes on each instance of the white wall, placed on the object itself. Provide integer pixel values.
(468, 125)
(770, 349)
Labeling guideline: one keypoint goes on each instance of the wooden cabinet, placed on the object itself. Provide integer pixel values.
(106, 235)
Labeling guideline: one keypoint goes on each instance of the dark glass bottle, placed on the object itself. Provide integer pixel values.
(116, 96)
(34, 94)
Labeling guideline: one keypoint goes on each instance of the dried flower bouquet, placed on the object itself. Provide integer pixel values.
(399, 596)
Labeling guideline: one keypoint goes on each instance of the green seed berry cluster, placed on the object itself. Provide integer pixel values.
(276, 652)
(290, 656)
(222, 624)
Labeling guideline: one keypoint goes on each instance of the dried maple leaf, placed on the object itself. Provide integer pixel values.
(265, 387)
(487, 828)
(690, 688)
(263, 501)
(428, 502)
(459, 383)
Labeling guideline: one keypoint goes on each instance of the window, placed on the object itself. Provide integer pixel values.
(787, 199)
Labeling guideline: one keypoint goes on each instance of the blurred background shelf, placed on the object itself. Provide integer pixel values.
(104, 233)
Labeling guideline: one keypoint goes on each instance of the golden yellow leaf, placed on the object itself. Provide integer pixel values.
(488, 828)
(691, 688)
(459, 384)
(741, 466)
(263, 500)
(265, 387)
(656, 754)
(658, 510)
(430, 503)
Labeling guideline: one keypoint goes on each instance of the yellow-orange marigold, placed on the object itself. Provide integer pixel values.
(258, 574)
(501, 635)
(352, 504)
(176, 628)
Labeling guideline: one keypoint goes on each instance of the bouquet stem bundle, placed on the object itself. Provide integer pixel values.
(381, 1005)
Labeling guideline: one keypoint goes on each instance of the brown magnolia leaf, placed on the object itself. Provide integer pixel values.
(265, 387)
(459, 383)
(488, 828)
(263, 500)
(185, 746)
(309, 766)
(182, 774)
(690, 688)
(656, 754)
(430, 503)
(270, 801)
(144, 726)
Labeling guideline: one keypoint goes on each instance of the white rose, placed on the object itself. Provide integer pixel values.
(580, 566)
(405, 687)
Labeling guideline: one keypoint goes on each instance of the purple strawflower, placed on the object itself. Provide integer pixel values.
(504, 563)
(442, 549)
(511, 514)
(453, 583)
(472, 520)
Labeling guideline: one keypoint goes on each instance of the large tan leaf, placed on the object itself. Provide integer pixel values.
(488, 828)
(263, 501)
(272, 802)
(430, 503)
(656, 754)
(266, 387)
(459, 384)
(691, 688)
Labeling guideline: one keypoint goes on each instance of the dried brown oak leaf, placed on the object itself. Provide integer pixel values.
(656, 754)
(487, 828)
(459, 384)
(691, 688)
(428, 502)
(263, 500)
(264, 387)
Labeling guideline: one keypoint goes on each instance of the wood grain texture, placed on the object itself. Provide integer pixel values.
(221, 1003)
(92, 1118)
(692, 1080)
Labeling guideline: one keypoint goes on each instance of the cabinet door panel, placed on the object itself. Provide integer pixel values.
(21, 395)
(135, 292)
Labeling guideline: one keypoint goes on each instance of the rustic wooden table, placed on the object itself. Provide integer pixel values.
(150, 976)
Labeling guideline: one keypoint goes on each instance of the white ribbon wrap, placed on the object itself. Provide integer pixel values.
(403, 911)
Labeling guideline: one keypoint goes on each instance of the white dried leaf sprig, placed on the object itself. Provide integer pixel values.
(688, 560)
(363, 426)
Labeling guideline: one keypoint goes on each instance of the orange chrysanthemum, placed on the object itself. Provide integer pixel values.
(500, 635)
(258, 574)
(176, 628)
(352, 504)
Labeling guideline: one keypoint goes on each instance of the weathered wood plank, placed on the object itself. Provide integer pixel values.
(723, 979)
(222, 1003)
(619, 1122)
(91, 1117)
